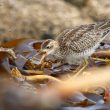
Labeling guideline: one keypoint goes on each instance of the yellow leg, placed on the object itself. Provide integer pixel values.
(85, 64)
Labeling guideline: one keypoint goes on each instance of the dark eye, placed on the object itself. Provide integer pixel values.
(48, 47)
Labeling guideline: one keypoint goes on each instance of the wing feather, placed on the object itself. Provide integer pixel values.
(83, 37)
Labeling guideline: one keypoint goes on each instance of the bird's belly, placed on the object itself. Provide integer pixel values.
(76, 58)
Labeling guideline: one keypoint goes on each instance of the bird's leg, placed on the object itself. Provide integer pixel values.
(81, 68)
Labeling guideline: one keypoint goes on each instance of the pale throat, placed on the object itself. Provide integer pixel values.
(55, 52)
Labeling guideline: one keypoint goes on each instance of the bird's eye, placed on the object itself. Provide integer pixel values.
(48, 47)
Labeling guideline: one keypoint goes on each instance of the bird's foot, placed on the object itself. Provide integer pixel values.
(81, 68)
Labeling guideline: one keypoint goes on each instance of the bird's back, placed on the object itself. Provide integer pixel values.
(83, 37)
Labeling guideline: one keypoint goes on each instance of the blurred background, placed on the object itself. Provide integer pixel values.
(43, 19)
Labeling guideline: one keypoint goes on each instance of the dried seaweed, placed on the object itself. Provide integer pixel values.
(53, 81)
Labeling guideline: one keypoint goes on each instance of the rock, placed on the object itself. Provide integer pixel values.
(79, 3)
(25, 18)
(99, 9)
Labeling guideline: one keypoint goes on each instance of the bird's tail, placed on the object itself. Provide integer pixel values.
(104, 26)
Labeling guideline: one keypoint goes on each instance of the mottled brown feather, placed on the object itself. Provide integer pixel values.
(83, 37)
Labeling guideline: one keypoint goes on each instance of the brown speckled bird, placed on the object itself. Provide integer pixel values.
(76, 44)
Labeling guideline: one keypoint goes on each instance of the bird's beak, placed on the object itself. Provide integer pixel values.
(41, 52)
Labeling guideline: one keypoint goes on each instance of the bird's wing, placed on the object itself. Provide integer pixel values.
(82, 37)
(87, 41)
(74, 33)
(68, 37)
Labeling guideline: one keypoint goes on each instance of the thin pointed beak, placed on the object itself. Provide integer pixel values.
(41, 52)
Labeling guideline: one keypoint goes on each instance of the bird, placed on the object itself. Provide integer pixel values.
(75, 45)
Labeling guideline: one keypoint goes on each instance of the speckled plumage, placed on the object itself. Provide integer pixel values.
(78, 43)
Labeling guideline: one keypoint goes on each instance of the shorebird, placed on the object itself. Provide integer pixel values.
(75, 45)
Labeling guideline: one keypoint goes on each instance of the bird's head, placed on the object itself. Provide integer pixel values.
(50, 47)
